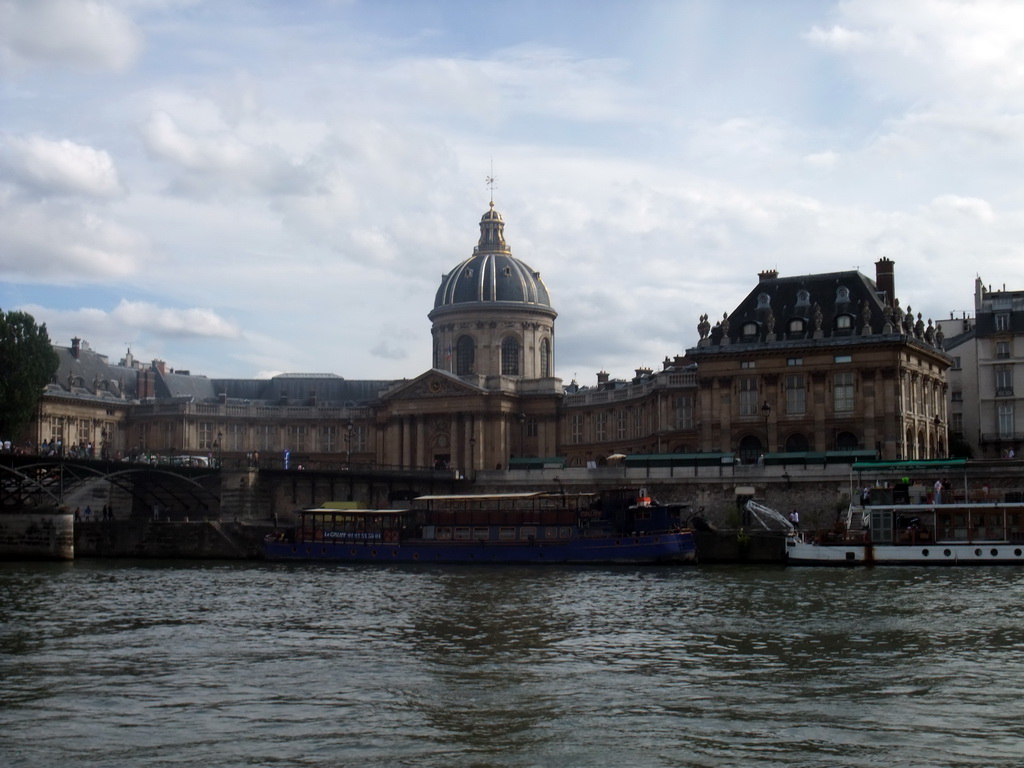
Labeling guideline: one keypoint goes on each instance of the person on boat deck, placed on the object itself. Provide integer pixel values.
(938, 491)
(794, 518)
(865, 496)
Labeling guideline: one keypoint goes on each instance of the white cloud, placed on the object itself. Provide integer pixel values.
(180, 323)
(933, 49)
(223, 159)
(826, 159)
(68, 33)
(66, 244)
(59, 167)
(971, 207)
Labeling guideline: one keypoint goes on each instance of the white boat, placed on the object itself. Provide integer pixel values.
(902, 523)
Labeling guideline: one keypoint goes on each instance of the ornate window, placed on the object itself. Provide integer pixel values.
(266, 437)
(796, 325)
(796, 395)
(842, 293)
(684, 411)
(763, 300)
(844, 322)
(545, 358)
(842, 392)
(464, 356)
(803, 297)
(749, 404)
(576, 428)
(510, 356)
(329, 438)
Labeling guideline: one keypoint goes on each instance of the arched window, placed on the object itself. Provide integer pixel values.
(750, 449)
(797, 443)
(510, 356)
(846, 441)
(802, 297)
(763, 300)
(545, 358)
(464, 356)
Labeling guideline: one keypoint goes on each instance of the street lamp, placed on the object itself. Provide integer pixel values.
(522, 435)
(219, 445)
(348, 442)
(766, 411)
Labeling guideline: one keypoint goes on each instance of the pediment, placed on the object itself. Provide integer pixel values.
(430, 385)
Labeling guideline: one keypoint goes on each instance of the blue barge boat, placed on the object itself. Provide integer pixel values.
(533, 527)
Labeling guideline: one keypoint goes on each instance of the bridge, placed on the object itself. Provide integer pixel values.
(143, 489)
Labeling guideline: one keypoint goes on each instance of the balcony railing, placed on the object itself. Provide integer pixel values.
(1002, 437)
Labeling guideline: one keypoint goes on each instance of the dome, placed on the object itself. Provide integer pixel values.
(492, 273)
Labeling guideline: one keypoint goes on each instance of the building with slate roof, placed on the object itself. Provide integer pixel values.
(819, 363)
(986, 384)
(805, 364)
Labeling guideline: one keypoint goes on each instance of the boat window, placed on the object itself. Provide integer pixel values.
(506, 533)
(461, 533)
(444, 533)
(565, 532)
(527, 533)
(482, 533)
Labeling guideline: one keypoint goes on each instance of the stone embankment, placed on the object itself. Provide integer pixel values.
(158, 539)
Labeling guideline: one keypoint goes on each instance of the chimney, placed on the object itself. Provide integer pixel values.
(768, 274)
(160, 366)
(885, 280)
(602, 378)
(76, 348)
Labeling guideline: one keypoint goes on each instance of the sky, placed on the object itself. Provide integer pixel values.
(243, 189)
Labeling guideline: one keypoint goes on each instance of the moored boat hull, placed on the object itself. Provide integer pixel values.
(676, 547)
(932, 553)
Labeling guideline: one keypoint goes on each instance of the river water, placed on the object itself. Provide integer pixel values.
(108, 663)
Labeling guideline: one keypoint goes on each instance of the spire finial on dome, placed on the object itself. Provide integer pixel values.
(492, 182)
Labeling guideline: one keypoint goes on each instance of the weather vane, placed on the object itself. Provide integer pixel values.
(491, 181)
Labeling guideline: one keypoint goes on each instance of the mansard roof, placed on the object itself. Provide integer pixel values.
(85, 374)
(834, 307)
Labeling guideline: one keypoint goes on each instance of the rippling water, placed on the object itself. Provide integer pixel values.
(124, 664)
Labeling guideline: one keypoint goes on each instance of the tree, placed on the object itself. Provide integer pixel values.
(27, 364)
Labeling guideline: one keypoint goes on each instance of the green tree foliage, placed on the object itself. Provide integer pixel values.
(27, 364)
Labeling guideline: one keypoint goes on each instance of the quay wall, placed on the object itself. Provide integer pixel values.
(170, 539)
(37, 535)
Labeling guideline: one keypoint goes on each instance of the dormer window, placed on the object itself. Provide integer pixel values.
(468, 273)
(844, 322)
(750, 329)
(507, 271)
(796, 325)
(803, 297)
(843, 293)
(763, 301)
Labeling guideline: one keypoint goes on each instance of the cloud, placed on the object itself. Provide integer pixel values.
(65, 244)
(971, 207)
(59, 167)
(179, 323)
(134, 320)
(925, 49)
(66, 33)
(224, 160)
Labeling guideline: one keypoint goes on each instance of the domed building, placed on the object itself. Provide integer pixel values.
(490, 394)
(492, 315)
